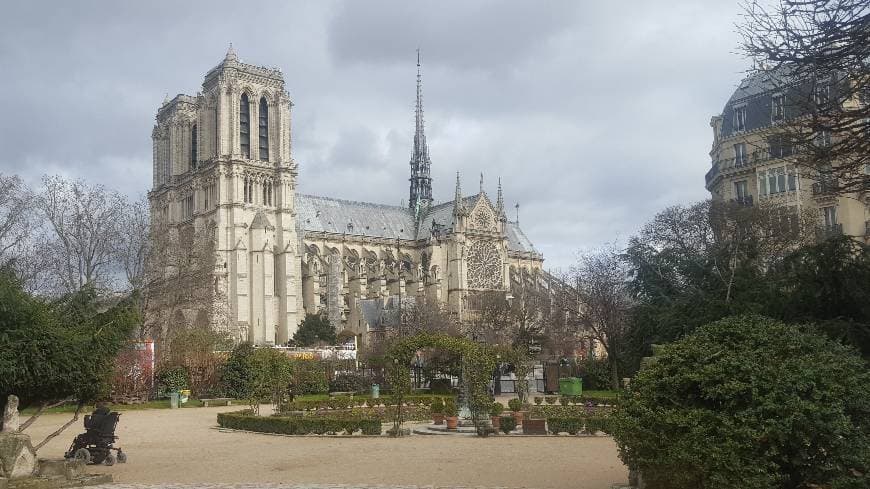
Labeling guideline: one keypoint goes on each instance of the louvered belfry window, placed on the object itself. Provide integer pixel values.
(245, 126)
(264, 130)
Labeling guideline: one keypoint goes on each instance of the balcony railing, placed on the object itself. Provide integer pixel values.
(745, 200)
(829, 230)
(826, 187)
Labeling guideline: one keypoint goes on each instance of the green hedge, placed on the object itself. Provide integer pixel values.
(574, 425)
(571, 411)
(303, 425)
(346, 402)
(385, 414)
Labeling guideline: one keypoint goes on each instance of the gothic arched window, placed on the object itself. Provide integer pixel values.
(193, 155)
(264, 129)
(245, 126)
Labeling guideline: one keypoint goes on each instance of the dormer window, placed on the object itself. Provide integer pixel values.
(264, 129)
(245, 126)
(739, 122)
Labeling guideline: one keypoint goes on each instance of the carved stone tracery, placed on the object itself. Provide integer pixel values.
(484, 266)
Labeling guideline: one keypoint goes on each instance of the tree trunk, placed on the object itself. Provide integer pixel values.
(614, 373)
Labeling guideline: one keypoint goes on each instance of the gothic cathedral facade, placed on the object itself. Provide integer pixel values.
(239, 250)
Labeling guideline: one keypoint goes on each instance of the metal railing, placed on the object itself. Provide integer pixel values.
(829, 230)
(826, 187)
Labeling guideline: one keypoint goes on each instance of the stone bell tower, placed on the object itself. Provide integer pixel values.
(223, 172)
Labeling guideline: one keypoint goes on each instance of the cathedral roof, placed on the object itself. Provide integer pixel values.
(329, 215)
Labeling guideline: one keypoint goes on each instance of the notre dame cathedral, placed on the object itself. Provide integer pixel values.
(241, 251)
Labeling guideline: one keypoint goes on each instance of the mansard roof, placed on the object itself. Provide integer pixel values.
(337, 216)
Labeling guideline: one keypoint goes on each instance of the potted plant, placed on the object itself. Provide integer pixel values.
(495, 413)
(516, 407)
(551, 400)
(538, 400)
(507, 424)
(437, 409)
(451, 414)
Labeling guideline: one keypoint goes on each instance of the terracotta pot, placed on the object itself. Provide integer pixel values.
(496, 421)
(518, 415)
(437, 418)
(452, 422)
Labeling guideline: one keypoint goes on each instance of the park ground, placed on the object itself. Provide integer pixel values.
(180, 446)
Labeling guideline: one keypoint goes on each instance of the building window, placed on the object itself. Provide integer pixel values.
(740, 191)
(822, 94)
(187, 208)
(777, 180)
(193, 147)
(264, 130)
(779, 146)
(739, 122)
(777, 112)
(245, 126)
(249, 190)
(740, 158)
(829, 216)
(823, 139)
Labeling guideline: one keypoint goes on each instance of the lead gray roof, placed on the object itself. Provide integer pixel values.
(338, 216)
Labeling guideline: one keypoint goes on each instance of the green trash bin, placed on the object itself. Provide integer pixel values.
(571, 386)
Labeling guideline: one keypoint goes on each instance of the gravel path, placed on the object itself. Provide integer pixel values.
(172, 449)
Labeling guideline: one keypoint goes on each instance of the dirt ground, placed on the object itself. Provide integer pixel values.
(180, 446)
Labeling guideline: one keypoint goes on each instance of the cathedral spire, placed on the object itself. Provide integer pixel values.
(458, 204)
(421, 181)
(500, 202)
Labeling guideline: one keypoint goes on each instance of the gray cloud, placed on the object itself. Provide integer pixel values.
(595, 115)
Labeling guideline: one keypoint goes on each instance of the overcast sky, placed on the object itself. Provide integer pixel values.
(595, 114)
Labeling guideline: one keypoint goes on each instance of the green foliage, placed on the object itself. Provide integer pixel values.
(309, 377)
(570, 425)
(437, 406)
(314, 329)
(245, 420)
(748, 402)
(577, 410)
(496, 409)
(478, 363)
(515, 405)
(236, 374)
(349, 382)
(680, 284)
(551, 399)
(827, 284)
(54, 350)
(450, 409)
(595, 373)
(172, 379)
(507, 424)
(538, 400)
(564, 400)
(440, 386)
(272, 373)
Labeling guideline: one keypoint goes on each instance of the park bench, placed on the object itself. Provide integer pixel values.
(226, 401)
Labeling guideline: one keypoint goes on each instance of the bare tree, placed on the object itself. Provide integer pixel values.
(180, 285)
(816, 53)
(600, 280)
(134, 242)
(16, 202)
(85, 225)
